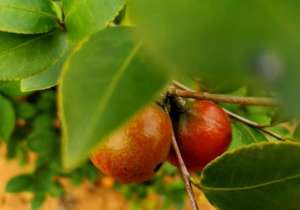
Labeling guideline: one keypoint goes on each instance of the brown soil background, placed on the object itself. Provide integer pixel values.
(84, 197)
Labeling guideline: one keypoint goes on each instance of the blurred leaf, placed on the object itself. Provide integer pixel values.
(44, 80)
(216, 40)
(56, 189)
(37, 201)
(281, 116)
(42, 179)
(134, 205)
(7, 119)
(176, 193)
(121, 77)
(27, 17)
(42, 160)
(47, 102)
(11, 88)
(57, 8)
(25, 110)
(84, 18)
(20, 183)
(25, 55)
(243, 135)
(242, 91)
(168, 169)
(256, 177)
(50, 159)
(22, 155)
(261, 115)
(91, 172)
(76, 176)
(297, 132)
(166, 204)
(288, 86)
(42, 141)
(17, 140)
(43, 122)
(282, 130)
(56, 166)
(12, 146)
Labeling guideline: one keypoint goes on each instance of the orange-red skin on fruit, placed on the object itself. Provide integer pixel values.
(133, 153)
(204, 133)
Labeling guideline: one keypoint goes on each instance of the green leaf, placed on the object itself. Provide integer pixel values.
(297, 132)
(56, 189)
(91, 172)
(216, 40)
(12, 146)
(22, 154)
(7, 119)
(25, 55)
(43, 122)
(261, 115)
(85, 17)
(76, 176)
(287, 86)
(42, 141)
(243, 135)
(283, 129)
(42, 179)
(47, 102)
(57, 8)
(117, 83)
(25, 110)
(44, 80)
(38, 201)
(11, 88)
(255, 177)
(27, 16)
(20, 183)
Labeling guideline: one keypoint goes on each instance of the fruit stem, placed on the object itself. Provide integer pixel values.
(183, 91)
(250, 123)
(184, 172)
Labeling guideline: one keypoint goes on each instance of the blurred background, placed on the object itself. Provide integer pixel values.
(100, 194)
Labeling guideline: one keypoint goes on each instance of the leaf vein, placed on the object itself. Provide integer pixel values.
(5, 52)
(218, 189)
(28, 10)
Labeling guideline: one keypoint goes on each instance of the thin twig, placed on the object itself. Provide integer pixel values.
(258, 101)
(248, 122)
(244, 120)
(184, 172)
(184, 91)
(181, 86)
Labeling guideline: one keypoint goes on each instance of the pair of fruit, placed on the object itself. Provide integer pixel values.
(137, 150)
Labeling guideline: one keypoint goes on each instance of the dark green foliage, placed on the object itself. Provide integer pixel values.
(38, 201)
(20, 183)
(166, 183)
(38, 134)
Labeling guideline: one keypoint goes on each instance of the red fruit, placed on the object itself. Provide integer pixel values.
(134, 152)
(203, 133)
